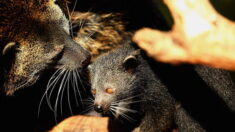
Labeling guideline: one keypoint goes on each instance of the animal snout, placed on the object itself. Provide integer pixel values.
(75, 57)
(86, 59)
(101, 107)
(98, 108)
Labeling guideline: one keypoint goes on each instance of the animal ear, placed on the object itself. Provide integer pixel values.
(89, 67)
(10, 46)
(131, 62)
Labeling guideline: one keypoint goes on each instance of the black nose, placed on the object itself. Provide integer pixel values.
(98, 108)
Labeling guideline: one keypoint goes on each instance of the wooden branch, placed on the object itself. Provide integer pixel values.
(82, 124)
(199, 36)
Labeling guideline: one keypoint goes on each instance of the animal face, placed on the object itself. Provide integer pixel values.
(34, 36)
(114, 79)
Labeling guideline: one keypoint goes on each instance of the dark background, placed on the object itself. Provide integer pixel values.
(20, 111)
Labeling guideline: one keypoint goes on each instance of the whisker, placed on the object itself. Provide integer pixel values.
(52, 77)
(89, 99)
(87, 109)
(58, 94)
(121, 113)
(25, 83)
(82, 22)
(80, 80)
(127, 117)
(129, 98)
(112, 110)
(76, 84)
(62, 92)
(48, 98)
(45, 93)
(70, 108)
(75, 4)
(74, 88)
(125, 109)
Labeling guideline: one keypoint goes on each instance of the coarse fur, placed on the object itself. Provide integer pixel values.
(34, 36)
(99, 32)
(195, 87)
(136, 90)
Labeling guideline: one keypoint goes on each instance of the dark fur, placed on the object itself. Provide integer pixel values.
(157, 104)
(34, 36)
(203, 93)
(160, 105)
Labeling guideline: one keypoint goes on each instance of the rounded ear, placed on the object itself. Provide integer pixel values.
(9, 47)
(89, 67)
(131, 62)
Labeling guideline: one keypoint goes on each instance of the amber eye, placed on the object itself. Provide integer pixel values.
(109, 90)
(93, 91)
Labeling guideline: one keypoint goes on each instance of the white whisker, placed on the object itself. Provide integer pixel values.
(76, 85)
(48, 98)
(62, 92)
(80, 80)
(58, 94)
(45, 93)
(68, 96)
(129, 98)
(124, 109)
(74, 88)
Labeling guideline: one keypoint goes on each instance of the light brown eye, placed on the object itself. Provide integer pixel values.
(109, 90)
(93, 91)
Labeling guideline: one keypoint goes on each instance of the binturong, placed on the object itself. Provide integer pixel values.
(145, 97)
(126, 89)
(35, 36)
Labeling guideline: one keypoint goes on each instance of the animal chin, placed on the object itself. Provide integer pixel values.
(12, 86)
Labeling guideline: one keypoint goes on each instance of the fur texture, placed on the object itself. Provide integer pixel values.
(136, 90)
(203, 93)
(99, 33)
(137, 87)
(34, 36)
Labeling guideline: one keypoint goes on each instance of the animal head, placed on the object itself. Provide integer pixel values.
(114, 81)
(34, 36)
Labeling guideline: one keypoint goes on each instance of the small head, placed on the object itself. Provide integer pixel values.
(34, 36)
(114, 81)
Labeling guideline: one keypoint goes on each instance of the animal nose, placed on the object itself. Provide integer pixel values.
(86, 59)
(98, 108)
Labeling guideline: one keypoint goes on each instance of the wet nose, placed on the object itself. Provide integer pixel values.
(98, 108)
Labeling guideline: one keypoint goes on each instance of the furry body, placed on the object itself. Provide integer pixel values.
(194, 87)
(34, 36)
(156, 98)
(140, 86)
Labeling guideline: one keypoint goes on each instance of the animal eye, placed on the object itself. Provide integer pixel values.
(109, 90)
(93, 91)
(130, 63)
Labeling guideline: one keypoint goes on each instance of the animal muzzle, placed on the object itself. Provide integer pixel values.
(74, 57)
(101, 108)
